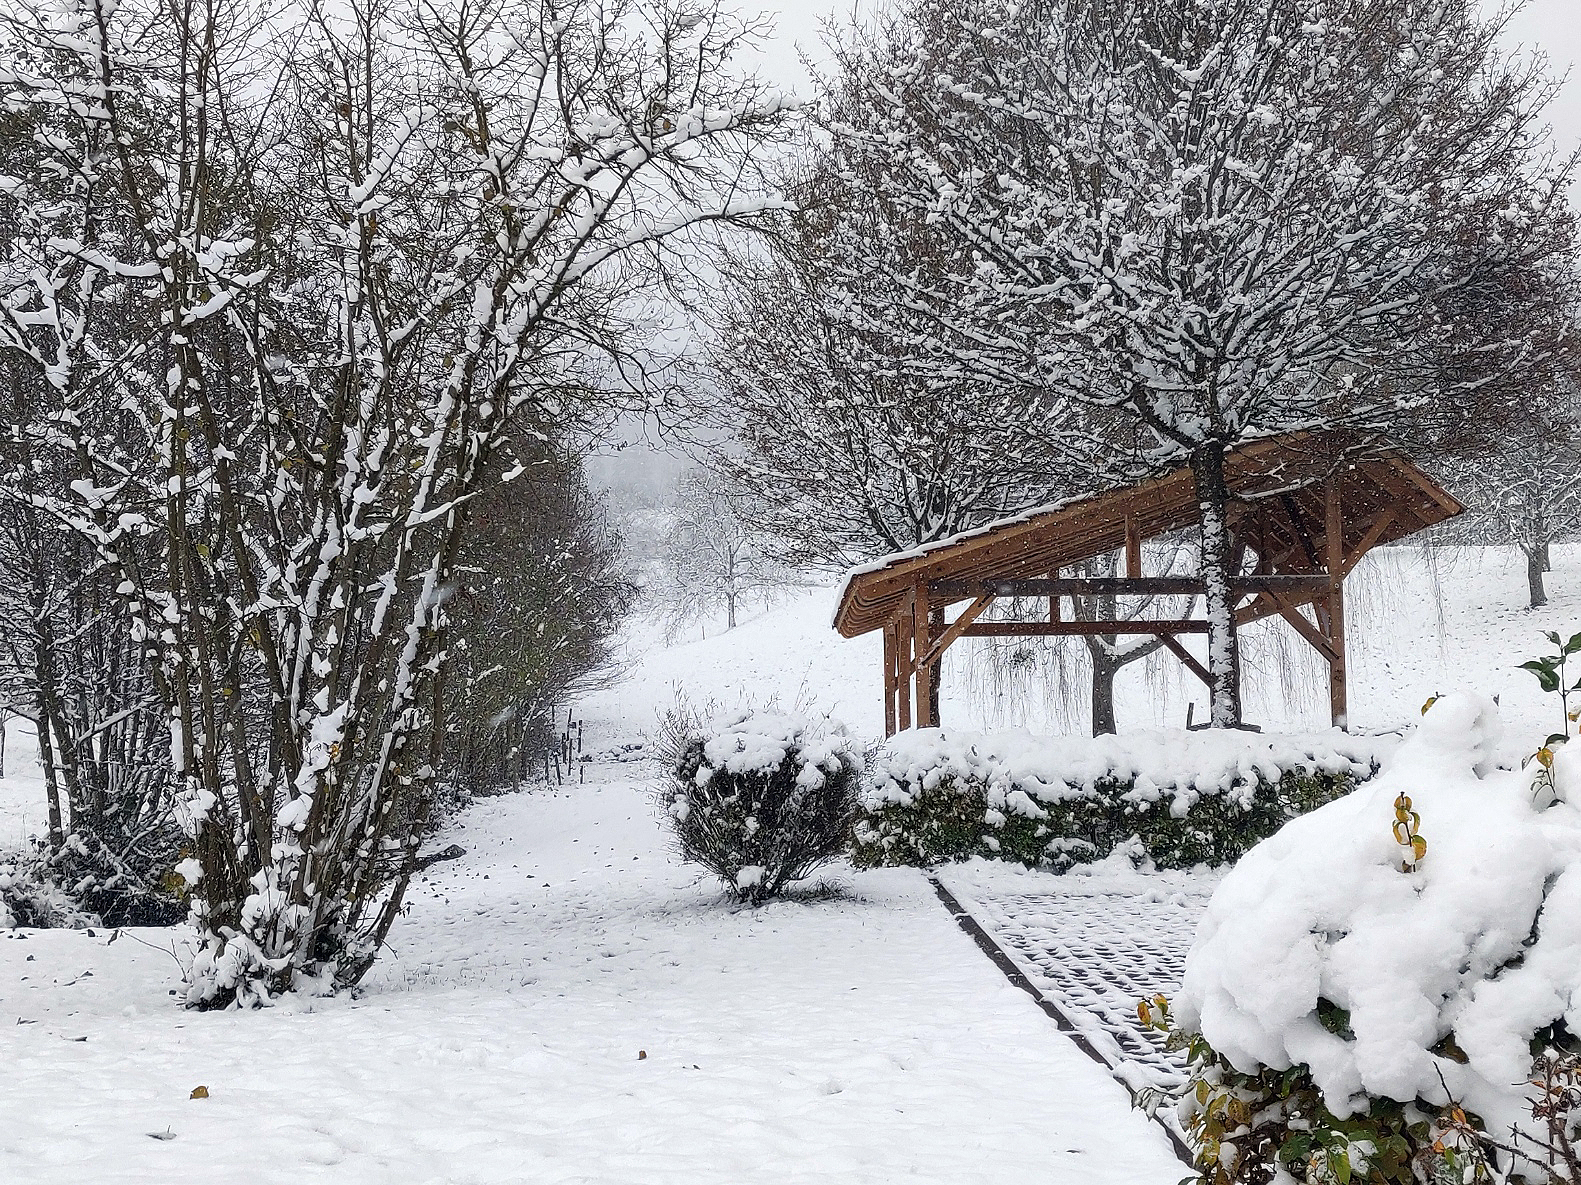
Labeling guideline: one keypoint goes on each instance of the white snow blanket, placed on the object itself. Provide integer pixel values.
(1481, 940)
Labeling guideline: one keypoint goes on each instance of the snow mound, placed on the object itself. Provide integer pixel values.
(1481, 943)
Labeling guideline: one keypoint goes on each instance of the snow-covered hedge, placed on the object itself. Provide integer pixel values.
(933, 795)
(761, 798)
(1357, 1006)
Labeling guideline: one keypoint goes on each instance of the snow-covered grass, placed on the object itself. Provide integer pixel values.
(855, 1036)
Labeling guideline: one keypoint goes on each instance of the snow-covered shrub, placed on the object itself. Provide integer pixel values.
(760, 797)
(1357, 1009)
(30, 896)
(1190, 797)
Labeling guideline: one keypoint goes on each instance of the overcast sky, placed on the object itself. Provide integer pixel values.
(1551, 26)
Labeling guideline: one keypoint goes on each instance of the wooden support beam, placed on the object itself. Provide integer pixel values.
(957, 627)
(891, 678)
(921, 620)
(1045, 629)
(1302, 531)
(1123, 586)
(1186, 657)
(1307, 630)
(905, 632)
(1334, 524)
(1133, 548)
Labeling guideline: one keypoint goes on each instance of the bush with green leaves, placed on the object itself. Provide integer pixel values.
(1385, 990)
(1188, 798)
(761, 798)
(1273, 1125)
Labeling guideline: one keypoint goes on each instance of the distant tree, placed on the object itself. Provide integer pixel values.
(1526, 492)
(1213, 220)
(859, 436)
(713, 555)
(541, 589)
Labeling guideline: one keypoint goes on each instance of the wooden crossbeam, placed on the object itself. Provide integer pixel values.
(1305, 628)
(1123, 586)
(1045, 629)
(959, 626)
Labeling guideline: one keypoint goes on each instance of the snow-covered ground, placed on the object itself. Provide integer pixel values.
(567, 1003)
(858, 1037)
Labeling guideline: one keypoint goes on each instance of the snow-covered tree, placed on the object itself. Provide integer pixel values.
(359, 243)
(857, 439)
(1215, 220)
(1527, 491)
(713, 556)
(541, 587)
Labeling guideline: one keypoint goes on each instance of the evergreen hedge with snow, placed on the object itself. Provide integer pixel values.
(760, 798)
(1361, 1006)
(1205, 797)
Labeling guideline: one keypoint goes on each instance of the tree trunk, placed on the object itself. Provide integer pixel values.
(730, 611)
(1534, 576)
(1103, 673)
(1213, 497)
(1542, 550)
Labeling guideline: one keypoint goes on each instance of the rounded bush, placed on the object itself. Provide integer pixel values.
(760, 798)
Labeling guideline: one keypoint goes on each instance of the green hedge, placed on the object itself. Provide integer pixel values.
(954, 804)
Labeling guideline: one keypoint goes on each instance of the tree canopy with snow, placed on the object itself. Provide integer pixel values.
(289, 278)
(1214, 221)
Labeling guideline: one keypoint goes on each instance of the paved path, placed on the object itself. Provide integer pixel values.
(1094, 953)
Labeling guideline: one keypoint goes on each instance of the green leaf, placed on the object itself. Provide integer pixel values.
(1573, 646)
(1553, 637)
(1296, 1149)
(1340, 1163)
(1557, 738)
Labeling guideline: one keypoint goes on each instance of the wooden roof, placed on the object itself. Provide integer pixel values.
(1278, 510)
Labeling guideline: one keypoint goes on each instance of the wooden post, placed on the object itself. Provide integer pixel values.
(1054, 599)
(1333, 530)
(1133, 548)
(921, 618)
(936, 629)
(891, 660)
(904, 630)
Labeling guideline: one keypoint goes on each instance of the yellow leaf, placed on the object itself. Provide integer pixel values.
(200, 1092)
(1431, 700)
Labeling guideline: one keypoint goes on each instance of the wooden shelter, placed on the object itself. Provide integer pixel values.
(1305, 507)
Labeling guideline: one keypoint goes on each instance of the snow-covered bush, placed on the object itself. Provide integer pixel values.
(1359, 1008)
(30, 896)
(760, 797)
(933, 795)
